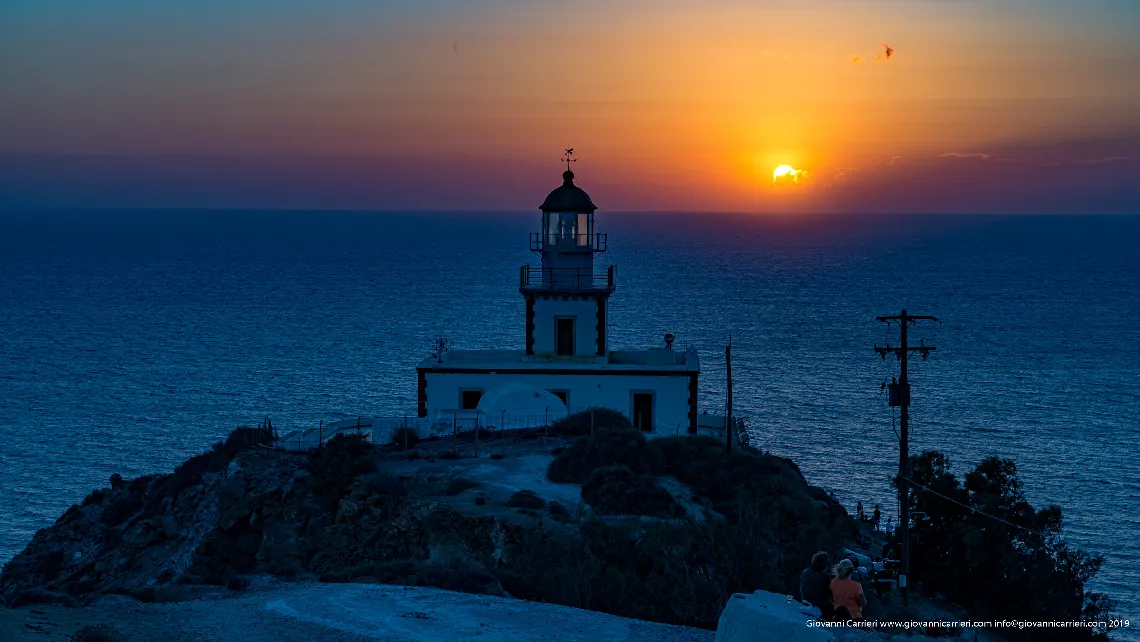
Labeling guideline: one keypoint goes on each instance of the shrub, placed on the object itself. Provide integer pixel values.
(558, 511)
(139, 485)
(497, 456)
(526, 499)
(617, 490)
(405, 436)
(480, 501)
(982, 564)
(95, 497)
(627, 448)
(98, 633)
(116, 480)
(702, 463)
(578, 424)
(460, 484)
(238, 583)
(190, 472)
(673, 572)
(68, 514)
(49, 564)
(451, 454)
(337, 464)
(120, 509)
(766, 496)
(557, 451)
(385, 485)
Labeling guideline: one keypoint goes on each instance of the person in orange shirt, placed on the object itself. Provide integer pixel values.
(847, 593)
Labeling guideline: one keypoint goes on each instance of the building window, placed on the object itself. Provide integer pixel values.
(469, 399)
(643, 411)
(564, 331)
(550, 224)
(567, 229)
(561, 394)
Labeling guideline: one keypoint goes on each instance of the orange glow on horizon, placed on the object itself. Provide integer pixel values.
(687, 108)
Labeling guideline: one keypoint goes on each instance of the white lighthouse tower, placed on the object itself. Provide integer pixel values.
(566, 364)
(565, 297)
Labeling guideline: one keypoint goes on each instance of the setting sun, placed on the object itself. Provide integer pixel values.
(787, 171)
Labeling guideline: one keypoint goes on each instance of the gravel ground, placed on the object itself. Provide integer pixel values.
(274, 611)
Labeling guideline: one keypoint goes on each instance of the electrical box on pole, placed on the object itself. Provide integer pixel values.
(898, 394)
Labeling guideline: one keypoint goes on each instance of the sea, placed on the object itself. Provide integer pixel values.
(130, 340)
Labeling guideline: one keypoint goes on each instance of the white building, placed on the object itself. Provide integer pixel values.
(567, 365)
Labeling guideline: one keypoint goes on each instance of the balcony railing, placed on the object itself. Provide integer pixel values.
(568, 242)
(537, 278)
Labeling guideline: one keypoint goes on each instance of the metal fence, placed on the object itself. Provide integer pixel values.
(386, 430)
(462, 426)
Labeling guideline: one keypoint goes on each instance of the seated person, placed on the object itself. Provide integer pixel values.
(847, 593)
(814, 585)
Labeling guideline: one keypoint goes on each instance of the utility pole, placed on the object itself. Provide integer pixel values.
(899, 395)
(728, 402)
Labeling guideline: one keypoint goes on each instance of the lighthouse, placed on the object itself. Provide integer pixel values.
(565, 296)
(566, 364)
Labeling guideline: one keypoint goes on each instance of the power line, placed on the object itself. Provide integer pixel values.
(972, 509)
(890, 411)
(981, 337)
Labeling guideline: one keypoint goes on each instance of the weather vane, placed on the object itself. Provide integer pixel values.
(568, 159)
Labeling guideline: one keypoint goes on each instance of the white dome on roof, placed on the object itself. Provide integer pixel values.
(521, 399)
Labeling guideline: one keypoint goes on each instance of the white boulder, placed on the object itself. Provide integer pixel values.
(768, 617)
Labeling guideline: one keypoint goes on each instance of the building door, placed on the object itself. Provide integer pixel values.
(643, 411)
(565, 332)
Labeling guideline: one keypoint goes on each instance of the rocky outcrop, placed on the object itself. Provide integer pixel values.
(261, 514)
(352, 512)
(768, 617)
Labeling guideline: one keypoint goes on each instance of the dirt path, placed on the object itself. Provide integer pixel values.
(279, 612)
(44, 622)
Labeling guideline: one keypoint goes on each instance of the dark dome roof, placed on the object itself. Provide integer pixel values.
(568, 198)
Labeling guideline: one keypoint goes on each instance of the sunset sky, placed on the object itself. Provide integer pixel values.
(982, 106)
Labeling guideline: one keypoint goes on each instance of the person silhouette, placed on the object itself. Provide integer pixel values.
(875, 517)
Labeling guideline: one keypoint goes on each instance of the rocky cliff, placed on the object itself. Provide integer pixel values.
(356, 512)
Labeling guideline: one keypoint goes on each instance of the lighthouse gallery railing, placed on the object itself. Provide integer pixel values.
(538, 278)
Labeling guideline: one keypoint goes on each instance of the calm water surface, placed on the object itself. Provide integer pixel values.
(131, 340)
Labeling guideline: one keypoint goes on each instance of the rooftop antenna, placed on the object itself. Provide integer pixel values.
(569, 159)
